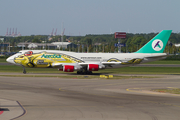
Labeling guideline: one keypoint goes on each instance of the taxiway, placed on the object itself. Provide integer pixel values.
(44, 98)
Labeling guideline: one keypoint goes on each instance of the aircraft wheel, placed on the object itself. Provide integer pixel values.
(90, 72)
(83, 72)
(24, 71)
(78, 72)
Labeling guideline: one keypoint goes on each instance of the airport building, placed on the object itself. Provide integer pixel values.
(4, 47)
(54, 45)
(177, 45)
(65, 45)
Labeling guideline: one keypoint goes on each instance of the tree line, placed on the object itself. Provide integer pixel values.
(97, 43)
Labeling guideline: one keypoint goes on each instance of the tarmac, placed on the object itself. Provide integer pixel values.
(10, 109)
(46, 98)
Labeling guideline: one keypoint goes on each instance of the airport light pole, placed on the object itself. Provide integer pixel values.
(119, 45)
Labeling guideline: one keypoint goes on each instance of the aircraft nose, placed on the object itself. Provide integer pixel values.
(10, 60)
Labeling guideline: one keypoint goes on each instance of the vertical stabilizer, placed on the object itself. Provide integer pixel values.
(157, 44)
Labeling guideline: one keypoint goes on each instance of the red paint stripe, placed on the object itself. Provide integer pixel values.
(1, 112)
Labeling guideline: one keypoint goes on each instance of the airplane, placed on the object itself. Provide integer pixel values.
(85, 63)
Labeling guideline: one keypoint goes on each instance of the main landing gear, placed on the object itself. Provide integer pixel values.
(84, 72)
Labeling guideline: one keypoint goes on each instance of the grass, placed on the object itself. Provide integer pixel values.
(173, 91)
(164, 62)
(125, 70)
(18, 69)
(2, 60)
(144, 70)
(79, 76)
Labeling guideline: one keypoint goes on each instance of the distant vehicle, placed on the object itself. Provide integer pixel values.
(85, 63)
(7, 53)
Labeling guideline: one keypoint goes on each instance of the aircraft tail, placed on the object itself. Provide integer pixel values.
(157, 44)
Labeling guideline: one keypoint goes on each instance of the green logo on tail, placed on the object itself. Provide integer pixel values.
(157, 45)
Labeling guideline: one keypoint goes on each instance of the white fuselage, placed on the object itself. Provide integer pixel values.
(97, 58)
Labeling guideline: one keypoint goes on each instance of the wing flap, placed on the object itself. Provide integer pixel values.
(111, 63)
(57, 64)
(133, 61)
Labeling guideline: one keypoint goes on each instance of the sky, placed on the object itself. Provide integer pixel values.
(81, 17)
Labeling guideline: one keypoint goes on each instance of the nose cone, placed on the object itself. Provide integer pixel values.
(10, 60)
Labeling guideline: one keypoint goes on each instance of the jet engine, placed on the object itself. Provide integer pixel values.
(68, 68)
(93, 67)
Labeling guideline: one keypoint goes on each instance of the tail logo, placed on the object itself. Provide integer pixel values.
(157, 45)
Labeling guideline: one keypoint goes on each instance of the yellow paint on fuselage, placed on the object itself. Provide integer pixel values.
(43, 60)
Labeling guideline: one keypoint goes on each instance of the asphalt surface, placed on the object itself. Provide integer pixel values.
(44, 98)
(5, 63)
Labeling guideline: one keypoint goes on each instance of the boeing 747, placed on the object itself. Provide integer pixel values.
(85, 63)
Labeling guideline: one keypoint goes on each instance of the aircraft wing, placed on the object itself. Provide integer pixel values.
(56, 64)
(62, 64)
(133, 61)
(111, 63)
(100, 63)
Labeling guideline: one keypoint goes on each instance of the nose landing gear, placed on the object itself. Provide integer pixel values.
(24, 70)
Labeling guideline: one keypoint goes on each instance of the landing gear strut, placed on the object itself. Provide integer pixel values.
(24, 70)
(84, 72)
